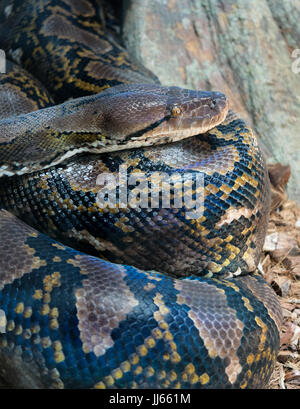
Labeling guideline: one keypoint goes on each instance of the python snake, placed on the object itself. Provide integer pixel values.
(149, 296)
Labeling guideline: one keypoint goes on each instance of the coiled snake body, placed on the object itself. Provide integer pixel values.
(152, 296)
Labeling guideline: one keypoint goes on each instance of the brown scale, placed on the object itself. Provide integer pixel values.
(20, 92)
(18, 258)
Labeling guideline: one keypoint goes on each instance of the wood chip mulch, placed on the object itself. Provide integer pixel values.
(280, 264)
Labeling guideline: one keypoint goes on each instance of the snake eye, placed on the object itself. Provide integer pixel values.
(176, 111)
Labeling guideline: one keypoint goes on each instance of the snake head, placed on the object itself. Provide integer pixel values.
(122, 117)
(146, 114)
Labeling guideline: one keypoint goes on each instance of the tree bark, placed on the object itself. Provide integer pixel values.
(241, 48)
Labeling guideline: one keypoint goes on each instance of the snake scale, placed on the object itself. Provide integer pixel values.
(124, 295)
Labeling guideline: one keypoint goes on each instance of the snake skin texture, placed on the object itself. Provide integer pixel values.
(127, 296)
(67, 46)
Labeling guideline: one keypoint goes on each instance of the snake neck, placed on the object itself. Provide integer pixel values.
(45, 137)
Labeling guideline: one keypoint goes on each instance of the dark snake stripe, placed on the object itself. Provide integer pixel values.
(78, 321)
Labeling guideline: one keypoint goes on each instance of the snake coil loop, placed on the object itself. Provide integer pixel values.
(124, 296)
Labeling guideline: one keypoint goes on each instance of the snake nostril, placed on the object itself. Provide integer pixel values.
(213, 103)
